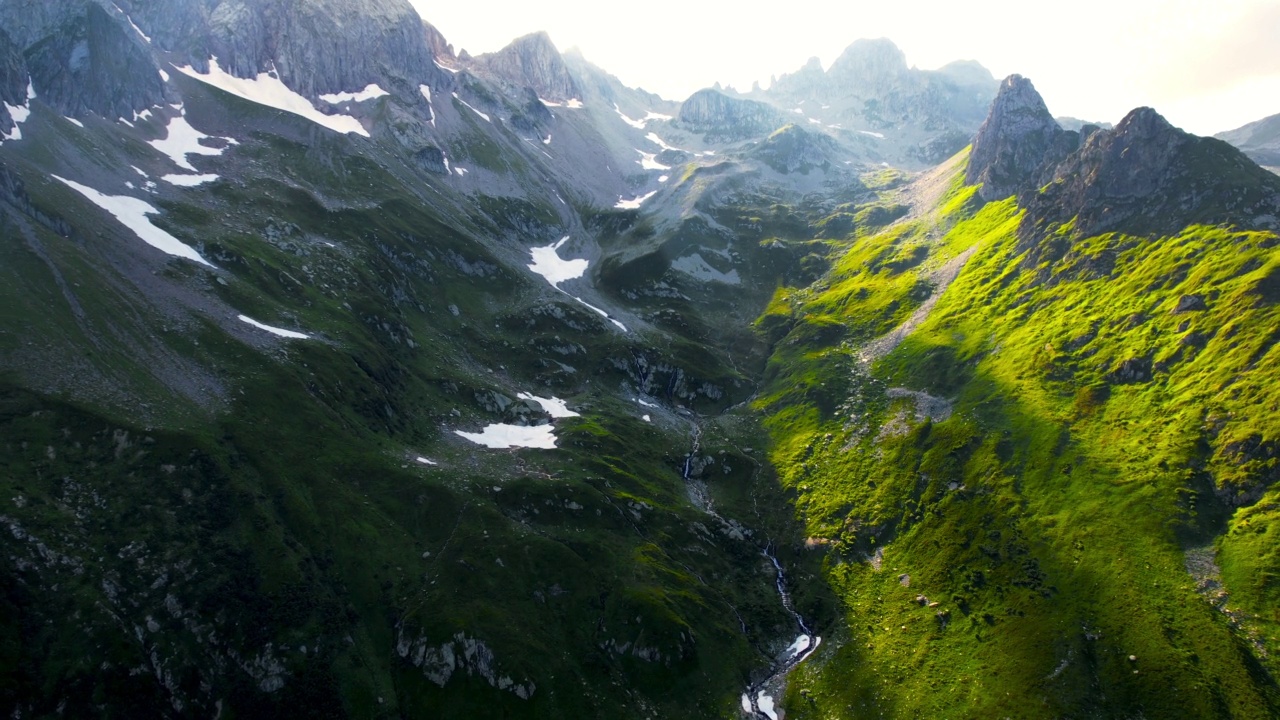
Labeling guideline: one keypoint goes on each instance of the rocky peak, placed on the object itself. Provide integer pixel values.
(717, 115)
(1148, 177)
(1017, 138)
(791, 148)
(870, 62)
(532, 62)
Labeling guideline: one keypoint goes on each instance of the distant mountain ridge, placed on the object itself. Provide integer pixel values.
(1259, 140)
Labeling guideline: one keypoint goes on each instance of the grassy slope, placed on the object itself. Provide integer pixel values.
(294, 516)
(1048, 515)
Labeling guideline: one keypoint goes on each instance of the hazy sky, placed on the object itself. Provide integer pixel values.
(1207, 66)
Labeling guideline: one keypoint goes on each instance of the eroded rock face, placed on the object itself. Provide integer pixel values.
(1017, 138)
(718, 115)
(1148, 177)
(532, 62)
(82, 59)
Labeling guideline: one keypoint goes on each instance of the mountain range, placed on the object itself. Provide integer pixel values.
(345, 375)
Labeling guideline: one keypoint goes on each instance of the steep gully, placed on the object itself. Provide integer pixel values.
(758, 698)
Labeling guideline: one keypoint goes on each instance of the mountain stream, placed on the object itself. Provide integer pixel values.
(758, 699)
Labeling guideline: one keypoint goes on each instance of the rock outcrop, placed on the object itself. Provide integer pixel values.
(1148, 177)
(718, 116)
(532, 62)
(1018, 137)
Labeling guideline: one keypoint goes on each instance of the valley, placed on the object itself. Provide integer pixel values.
(344, 375)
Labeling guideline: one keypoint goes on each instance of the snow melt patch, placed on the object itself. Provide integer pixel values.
(426, 461)
(651, 115)
(132, 213)
(548, 264)
(464, 102)
(501, 436)
(653, 138)
(634, 203)
(20, 113)
(645, 418)
(663, 178)
(554, 406)
(460, 170)
(182, 140)
(637, 124)
(267, 89)
(765, 703)
(75, 122)
(426, 93)
(370, 92)
(274, 330)
(188, 180)
(573, 104)
(648, 161)
(446, 68)
(876, 135)
(600, 312)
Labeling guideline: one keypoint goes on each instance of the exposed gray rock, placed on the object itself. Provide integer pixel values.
(84, 59)
(532, 62)
(720, 117)
(1017, 138)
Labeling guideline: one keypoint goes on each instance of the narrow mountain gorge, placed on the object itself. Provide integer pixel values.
(345, 375)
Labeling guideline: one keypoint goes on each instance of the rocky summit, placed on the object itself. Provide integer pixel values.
(343, 375)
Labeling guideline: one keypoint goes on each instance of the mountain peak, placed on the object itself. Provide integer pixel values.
(532, 61)
(870, 58)
(1014, 140)
(1148, 177)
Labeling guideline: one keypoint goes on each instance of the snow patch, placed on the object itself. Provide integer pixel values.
(876, 135)
(648, 161)
(602, 313)
(274, 330)
(634, 203)
(370, 92)
(653, 138)
(75, 122)
(554, 406)
(188, 180)
(446, 67)
(501, 436)
(182, 140)
(573, 104)
(798, 111)
(20, 113)
(464, 102)
(267, 89)
(425, 461)
(646, 404)
(426, 92)
(645, 418)
(548, 264)
(663, 178)
(460, 170)
(765, 703)
(651, 115)
(164, 76)
(637, 124)
(815, 121)
(132, 213)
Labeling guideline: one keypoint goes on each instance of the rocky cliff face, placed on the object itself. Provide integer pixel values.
(13, 80)
(92, 56)
(531, 62)
(1017, 138)
(717, 115)
(1148, 177)
(794, 149)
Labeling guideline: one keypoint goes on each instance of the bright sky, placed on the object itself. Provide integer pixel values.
(1207, 66)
